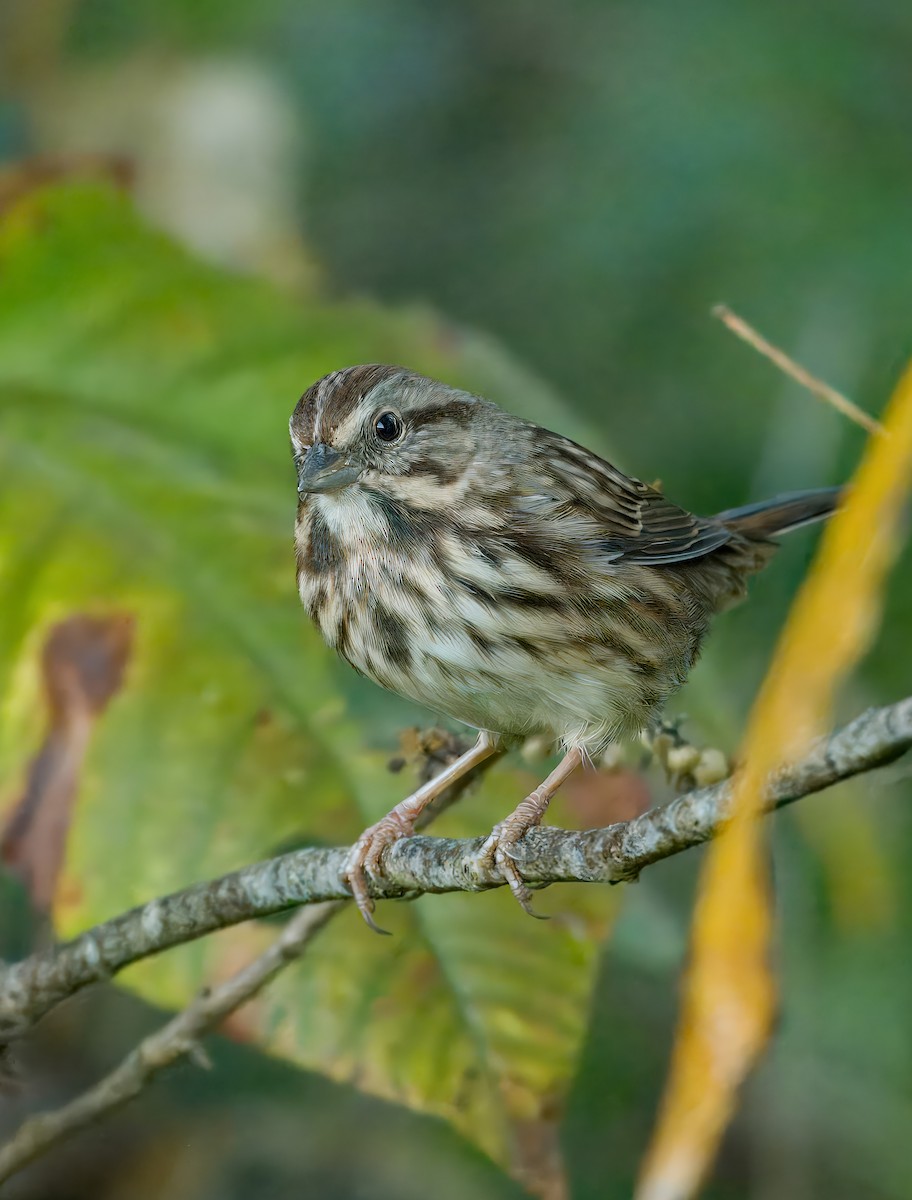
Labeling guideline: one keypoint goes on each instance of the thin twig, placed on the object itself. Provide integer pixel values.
(416, 865)
(179, 1038)
(816, 386)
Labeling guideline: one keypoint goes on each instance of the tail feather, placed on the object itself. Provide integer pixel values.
(781, 514)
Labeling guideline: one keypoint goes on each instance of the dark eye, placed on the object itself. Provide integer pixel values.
(388, 427)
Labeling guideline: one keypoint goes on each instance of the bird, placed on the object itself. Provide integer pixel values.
(501, 574)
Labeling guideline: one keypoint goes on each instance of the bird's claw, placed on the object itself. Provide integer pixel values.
(365, 862)
(497, 851)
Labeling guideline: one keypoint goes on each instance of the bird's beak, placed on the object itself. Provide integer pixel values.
(323, 470)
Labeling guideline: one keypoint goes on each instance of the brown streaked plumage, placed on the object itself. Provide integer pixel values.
(504, 575)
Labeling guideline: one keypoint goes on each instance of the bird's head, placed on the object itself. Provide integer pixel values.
(388, 430)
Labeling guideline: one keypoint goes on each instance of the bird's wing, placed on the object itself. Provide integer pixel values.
(629, 520)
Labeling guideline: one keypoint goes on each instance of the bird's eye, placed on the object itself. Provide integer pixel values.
(388, 427)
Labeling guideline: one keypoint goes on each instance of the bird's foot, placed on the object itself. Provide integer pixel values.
(365, 860)
(497, 850)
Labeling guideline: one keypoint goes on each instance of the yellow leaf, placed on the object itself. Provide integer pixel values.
(729, 995)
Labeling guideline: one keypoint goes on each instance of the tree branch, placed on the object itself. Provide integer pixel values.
(413, 866)
(179, 1037)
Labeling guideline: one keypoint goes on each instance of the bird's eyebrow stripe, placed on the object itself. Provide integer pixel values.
(454, 410)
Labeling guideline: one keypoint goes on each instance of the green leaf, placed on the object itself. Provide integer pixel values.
(144, 469)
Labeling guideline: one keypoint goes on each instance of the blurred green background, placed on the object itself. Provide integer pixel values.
(578, 183)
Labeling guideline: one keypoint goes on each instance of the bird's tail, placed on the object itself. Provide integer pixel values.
(781, 514)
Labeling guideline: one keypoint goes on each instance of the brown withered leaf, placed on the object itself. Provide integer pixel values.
(27, 175)
(537, 1159)
(82, 665)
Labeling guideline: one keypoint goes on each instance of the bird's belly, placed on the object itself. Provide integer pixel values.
(506, 669)
(510, 690)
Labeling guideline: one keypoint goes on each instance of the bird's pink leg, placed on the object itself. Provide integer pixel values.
(526, 816)
(399, 822)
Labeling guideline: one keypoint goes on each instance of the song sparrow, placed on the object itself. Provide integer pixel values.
(501, 574)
